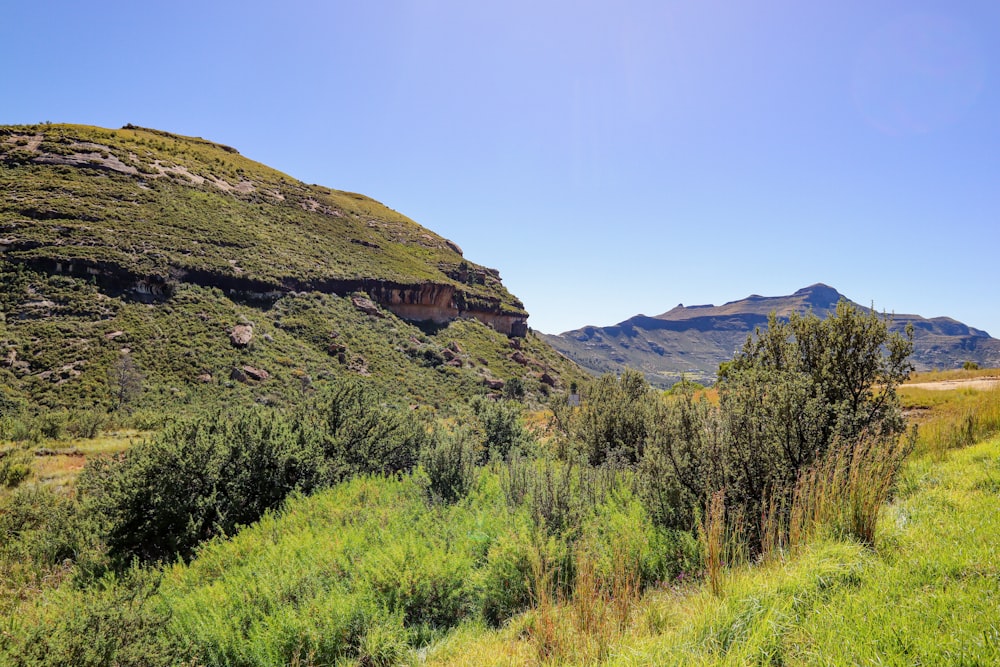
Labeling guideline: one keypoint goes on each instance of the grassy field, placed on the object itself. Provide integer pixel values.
(376, 572)
(927, 596)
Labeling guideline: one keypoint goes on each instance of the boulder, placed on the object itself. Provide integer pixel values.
(366, 306)
(258, 374)
(248, 373)
(241, 335)
(493, 383)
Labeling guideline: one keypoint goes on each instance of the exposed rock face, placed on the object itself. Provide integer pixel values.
(423, 302)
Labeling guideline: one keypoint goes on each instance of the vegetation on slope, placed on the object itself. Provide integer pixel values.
(65, 345)
(149, 274)
(573, 548)
(152, 204)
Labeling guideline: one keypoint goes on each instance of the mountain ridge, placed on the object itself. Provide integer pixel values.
(691, 341)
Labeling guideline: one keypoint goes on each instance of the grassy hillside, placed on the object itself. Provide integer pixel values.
(141, 270)
(64, 337)
(150, 203)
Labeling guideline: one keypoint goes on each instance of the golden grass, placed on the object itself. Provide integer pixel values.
(56, 463)
(953, 374)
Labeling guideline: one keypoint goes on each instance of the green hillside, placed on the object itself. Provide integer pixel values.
(138, 257)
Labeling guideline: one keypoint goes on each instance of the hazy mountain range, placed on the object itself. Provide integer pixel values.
(693, 340)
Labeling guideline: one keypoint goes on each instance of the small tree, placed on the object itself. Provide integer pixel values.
(796, 390)
(614, 419)
(126, 381)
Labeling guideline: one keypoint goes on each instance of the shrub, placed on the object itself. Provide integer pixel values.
(115, 622)
(86, 423)
(501, 427)
(450, 464)
(195, 480)
(15, 466)
(677, 464)
(41, 528)
(211, 475)
(795, 389)
(613, 422)
(360, 434)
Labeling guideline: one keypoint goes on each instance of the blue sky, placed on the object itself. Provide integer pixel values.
(609, 158)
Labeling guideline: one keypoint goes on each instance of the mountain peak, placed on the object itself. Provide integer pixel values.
(820, 296)
(691, 341)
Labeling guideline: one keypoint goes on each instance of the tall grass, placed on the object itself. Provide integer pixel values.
(846, 490)
(967, 418)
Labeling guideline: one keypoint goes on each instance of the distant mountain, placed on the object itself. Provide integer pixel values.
(693, 340)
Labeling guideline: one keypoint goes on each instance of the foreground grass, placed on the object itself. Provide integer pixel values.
(929, 595)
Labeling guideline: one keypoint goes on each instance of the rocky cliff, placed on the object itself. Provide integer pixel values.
(139, 211)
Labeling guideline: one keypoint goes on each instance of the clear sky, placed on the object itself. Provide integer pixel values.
(610, 158)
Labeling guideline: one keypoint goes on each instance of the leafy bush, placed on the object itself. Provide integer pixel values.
(116, 622)
(676, 466)
(613, 423)
(86, 423)
(450, 464)
(213, 474)
(195, 480)
(795, 389)
(361, 434)
(15, 466)
(501, 427)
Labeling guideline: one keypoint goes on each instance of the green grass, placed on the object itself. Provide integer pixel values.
(336, 572)
(927, 596)
(64, 356)
(373, 572)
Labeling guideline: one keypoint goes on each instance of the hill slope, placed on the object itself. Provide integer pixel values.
(693, 340)
(205, 268)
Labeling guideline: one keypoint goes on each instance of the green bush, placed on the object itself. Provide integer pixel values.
(213, 474)
(676, 467)
(15, 466)
(360, 434)
(115, 622)
(793, 391)
(42, 528)
(500, 424)
(195, 480)
(450, 464)
(86, 423)
(506, 580)
(613, 422)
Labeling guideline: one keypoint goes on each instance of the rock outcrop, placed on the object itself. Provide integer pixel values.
(231, 241)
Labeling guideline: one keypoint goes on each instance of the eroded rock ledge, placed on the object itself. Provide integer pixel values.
(439, 303)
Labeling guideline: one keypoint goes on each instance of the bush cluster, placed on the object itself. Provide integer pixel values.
(427, 526)
(211, 475)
